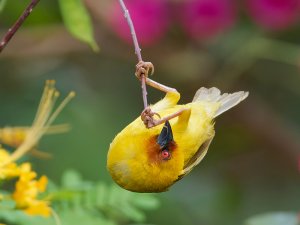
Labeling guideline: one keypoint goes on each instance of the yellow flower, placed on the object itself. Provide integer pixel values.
(13, 136)
(28, 187)
(8, 170)
(40, 208)
(27, 191)
(27, 138)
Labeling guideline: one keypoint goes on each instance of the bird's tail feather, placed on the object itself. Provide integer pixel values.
(214, 95)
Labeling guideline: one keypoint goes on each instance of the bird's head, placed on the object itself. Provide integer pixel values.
(148, 160)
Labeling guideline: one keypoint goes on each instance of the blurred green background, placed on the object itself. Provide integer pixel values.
(252, 165)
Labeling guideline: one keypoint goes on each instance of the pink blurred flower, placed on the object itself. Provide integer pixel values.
(206, 18)
(150, 19)
(274, 14)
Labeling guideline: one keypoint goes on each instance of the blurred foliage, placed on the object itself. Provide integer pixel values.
(77, 201)
(2, 5)
(78, 21)
(278, 218)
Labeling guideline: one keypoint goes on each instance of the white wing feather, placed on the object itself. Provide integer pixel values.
(214, 95)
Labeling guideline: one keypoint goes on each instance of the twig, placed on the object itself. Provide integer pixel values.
(11, 32)
(136, 48)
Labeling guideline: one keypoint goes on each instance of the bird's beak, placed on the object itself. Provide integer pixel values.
(165, 136)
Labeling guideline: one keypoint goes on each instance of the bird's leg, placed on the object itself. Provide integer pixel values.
(149, 121)
(143, 69)
(147, 116)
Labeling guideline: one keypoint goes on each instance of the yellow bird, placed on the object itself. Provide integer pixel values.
(151, 160)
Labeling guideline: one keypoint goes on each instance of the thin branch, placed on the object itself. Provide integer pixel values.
(136, 48)
(11, 32)
(132, 30)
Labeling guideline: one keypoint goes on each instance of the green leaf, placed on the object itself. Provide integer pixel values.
(83, 217)
(101, 194)
(2, 5)
(8, 204)
(51, 186)
(133, 213)
(277, 218)
(18, 217)
(72, 180)
(91, 202)
(78, 21)
(145, 201)
(113, 198)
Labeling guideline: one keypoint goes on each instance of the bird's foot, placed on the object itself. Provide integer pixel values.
(144, 69)
(147, 117)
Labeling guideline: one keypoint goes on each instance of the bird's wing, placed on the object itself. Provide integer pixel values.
(170, 100)
(226, 100)
(197, 158)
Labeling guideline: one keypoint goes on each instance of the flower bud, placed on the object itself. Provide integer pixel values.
(274, 14)
(203, 19)
(150, 19)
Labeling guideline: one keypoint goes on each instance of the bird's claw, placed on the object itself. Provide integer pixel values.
(147, 117)
(144, 69)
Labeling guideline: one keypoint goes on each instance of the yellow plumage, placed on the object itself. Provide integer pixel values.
(134, 158)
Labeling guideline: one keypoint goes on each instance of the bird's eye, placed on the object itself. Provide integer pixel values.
(165, 154)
